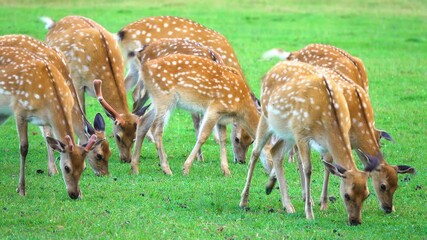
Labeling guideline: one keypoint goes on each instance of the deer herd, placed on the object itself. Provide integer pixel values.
(315, 98)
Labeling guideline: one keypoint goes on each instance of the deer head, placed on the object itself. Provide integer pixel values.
(124, 125)
(72, 158)
(353, 188)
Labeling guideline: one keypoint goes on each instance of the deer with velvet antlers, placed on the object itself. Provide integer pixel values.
(198, 85)
(139, 33)
(305, 107)
(93, 53)
(99, 155)
(34, 90)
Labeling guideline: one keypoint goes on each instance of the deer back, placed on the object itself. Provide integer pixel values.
(92, 53)
(146, 30)
(198, 83)
(161, 48)
(333, 58)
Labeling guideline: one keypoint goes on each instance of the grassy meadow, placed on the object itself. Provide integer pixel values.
(389, 36)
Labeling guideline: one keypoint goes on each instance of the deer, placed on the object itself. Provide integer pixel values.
(34, 91)
(354, 82)
(143, 31)
(198, 85)
(305, 107)
(92, 53)
(327, 56)
(98, 157)
(160, 48)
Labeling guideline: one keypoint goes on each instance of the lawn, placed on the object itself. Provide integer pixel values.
(389, 36)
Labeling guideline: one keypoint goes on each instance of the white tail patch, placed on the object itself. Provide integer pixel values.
(48, 22)
(275, 53)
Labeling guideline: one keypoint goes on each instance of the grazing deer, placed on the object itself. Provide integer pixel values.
(99, 155)
(93, 53)
(352, 71)
(198, 85)
(33, 90)
(307, 108)
(327, 56)
(161, 48)
(141, 32)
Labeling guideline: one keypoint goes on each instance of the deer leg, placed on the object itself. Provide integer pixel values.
(51, 166)
(280, 175)
(144, 124)
(22, 127)
(222, 132)
(324, 197)
(278, 151)
(196, 123)
(262, 136)
(208, 123)
(157, 128)
(304, 158)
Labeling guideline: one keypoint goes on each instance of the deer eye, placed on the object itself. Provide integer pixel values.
(347, 197)
(237, 140)
(98, 157)
(67, 169)
(383, 187)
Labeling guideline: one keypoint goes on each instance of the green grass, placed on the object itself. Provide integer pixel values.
(389, 36)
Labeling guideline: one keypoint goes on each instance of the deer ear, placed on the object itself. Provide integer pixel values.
(142, 110)
(335, 169)
(372, 161)
(88, 129)
(99, 123)
(405, 169)
(386, 136)
(56, 144)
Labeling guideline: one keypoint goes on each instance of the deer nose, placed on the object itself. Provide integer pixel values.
(236, 160)
(387, 209)
(355, 222)
(74, 195)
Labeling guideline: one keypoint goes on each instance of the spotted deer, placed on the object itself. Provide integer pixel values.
(307, 108)
(143, 31)
(327, 56)
(354, 83)
(92, 53)
(198, 85)
(161, 48)
(33, 90)
(99, 155)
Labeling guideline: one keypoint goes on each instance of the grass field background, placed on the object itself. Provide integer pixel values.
(389, 36)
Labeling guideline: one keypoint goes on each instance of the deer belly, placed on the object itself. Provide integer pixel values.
(316, 146)
(37, 121)
(280, 127)
(5, 109)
